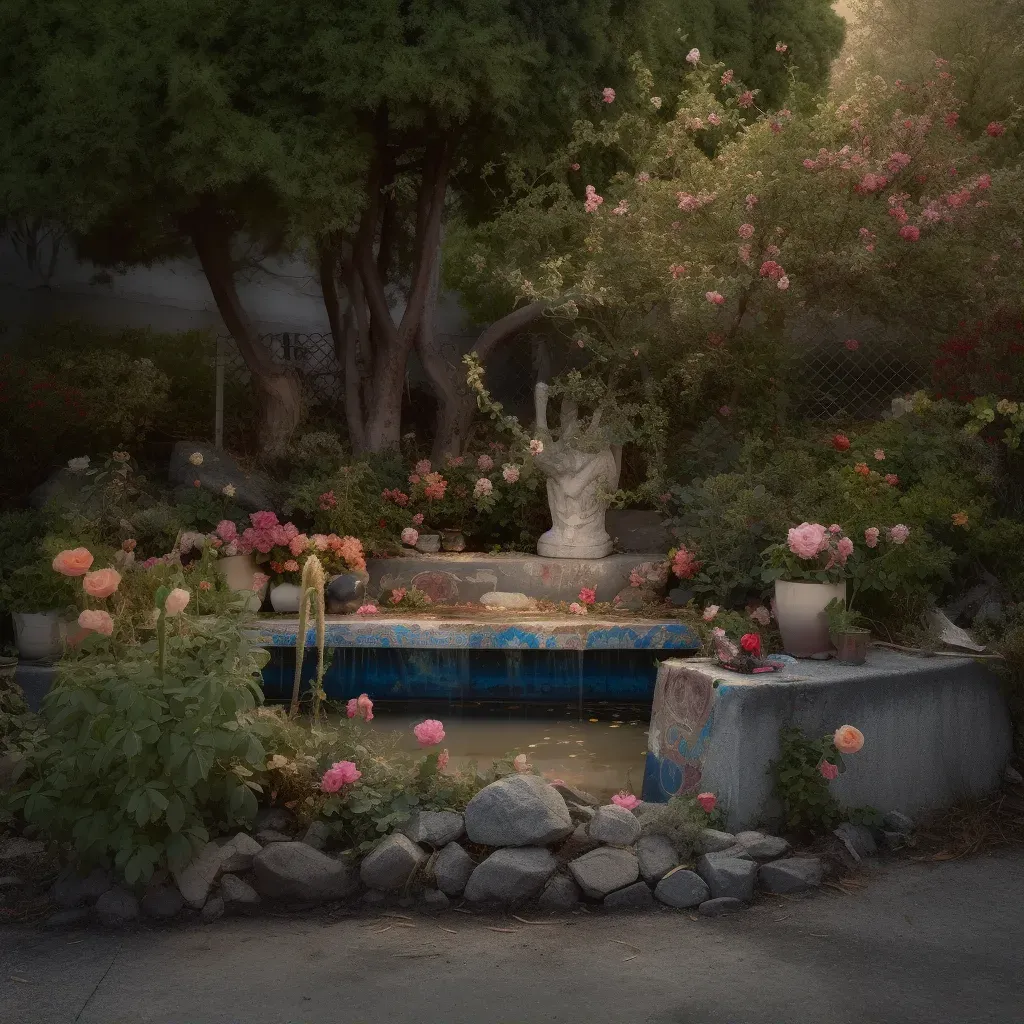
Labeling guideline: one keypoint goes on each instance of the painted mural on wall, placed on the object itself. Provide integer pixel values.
(684, 702)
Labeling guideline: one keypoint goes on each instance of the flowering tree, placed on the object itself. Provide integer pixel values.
(724, 228)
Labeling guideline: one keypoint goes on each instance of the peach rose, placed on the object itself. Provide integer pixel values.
(176, 601)
(101, 583)
(97, 621)
(848, 739)
(75, 562)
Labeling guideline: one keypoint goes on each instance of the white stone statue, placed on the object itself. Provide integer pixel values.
(578, 484)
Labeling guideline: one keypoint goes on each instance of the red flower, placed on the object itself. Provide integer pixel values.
(995, 129)
(707, 802)
(862, 468)
(751, 643)
(841, 443)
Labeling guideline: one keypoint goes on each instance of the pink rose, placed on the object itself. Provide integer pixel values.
(101, 583)
(710, 612)
(410, 536)
(352, 707)
(716, 298)
(899, 533)
(848, 739)
(75, 562)
(226, 530)
(96, 621)
(536, 447)
(808, 540)
(829, 770)
(291, 565)
(607, 95)
(761, 615)
(366, 609)
(707, 801)
(442, 760)
(422, 467)
(587, 595)
(418, 519)
(511, 474)
(626, 800)
(176, 601)
(844, 549)
(259, 581)
(745, 231)
(264, 520)
(482, 487)
(835, 528)
(341, 773)
(484, 463)
(521, 765)
(871, 536)
(577, 609)
(298, 544)
(892, 479)
(429, 732)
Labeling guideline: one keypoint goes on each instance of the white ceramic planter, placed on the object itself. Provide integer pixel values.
(800, 610)
(38, 635)
(284, 597)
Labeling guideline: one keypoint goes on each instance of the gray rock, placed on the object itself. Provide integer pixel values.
(712, 841)
(237, 893)
(857, 839)
(577, 797)
(732, 853)
(728, 876)
(297, 871)
(604, 870)
(345, 593)
(162, 902)
(561, 893)
(280, 819)
(761, 846)
(69, 918)
(434, 899)
(429, 543)
(511, 875)
(253, 492)
(579, 813)
(196, 880)
(22, 849)
(392, 863)
(796, 874)
(634, 897)
(682, 888)
(720, 906)
(435, 828)
(452, 868)
(896, 821)
(317, 835)
(519, 810)
(633, 599)
(237, 853)
(576, 845)
(504, 599)
(614, 825)
(117, 906)
(894, 840)
(266, 836)
(657, 856)
(71, 890)
(213, 909)
(10, 882)
(374, 898)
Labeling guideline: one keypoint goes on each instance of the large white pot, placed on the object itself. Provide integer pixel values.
(285, 597)
(800, 610)
(238, 571)
(38, 635)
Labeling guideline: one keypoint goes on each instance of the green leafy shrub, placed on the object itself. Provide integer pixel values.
(139, 765)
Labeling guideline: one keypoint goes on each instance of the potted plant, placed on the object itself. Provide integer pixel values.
(809, 572)
(36, 596)
(848, 636)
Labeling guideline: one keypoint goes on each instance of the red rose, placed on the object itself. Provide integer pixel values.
(751, 643)
(841, 443)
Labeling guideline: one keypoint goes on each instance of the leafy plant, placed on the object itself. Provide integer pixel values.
(841, 618)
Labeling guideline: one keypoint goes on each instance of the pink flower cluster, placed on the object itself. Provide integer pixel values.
(410, 536)
(341, 773)
(593, 200)
(587, 595)
(266, 533)
(684, 564)
(429, 732)
(510, 473)
(360, 706)
(577, 609)
(690, 203)
(625, 800)
(395, 495)
(810, 541)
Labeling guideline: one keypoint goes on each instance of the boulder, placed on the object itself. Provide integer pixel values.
(212, 910)
(507, 601)
(712, 841)
(761, 846)
(634, 897)
(345, 593)
(72, 890)
(614, 826)
(657, 856)
(317, 836)
(857, 839)
(434, 899)
(280, 819)
(511, 875)
(452, 868)
(720, 906)
(897, 821)
(266, 836)
(796, 874)
(195, 881)
(237, 853)
(435, 828)
(732, 853)
(237, 893)
(392, 863)
(728, 876)
(519, 810)
(117, 906)
(682, 888)
(561, 893)
(429, 543)
(297, 871)
(604, 870)
(162, 902)
(577, 797)
(253, 492)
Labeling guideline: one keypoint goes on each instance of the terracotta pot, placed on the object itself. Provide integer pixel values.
(453, 540)
(800, 610)
(852, 647)
(38, 635)
(285, 597)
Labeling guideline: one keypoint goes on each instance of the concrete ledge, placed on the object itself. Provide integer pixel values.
(461, 578)
(937, 729)
(558, 633)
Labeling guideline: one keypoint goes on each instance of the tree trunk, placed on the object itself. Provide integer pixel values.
(279, 386)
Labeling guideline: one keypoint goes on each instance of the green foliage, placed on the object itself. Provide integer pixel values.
(681, 821)
(137, 769)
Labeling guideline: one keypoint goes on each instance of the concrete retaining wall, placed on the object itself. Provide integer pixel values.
(937, 729)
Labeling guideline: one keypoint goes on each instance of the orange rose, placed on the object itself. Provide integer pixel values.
(73, 563)
(848, 739)
(98, 621)
(101, 583)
